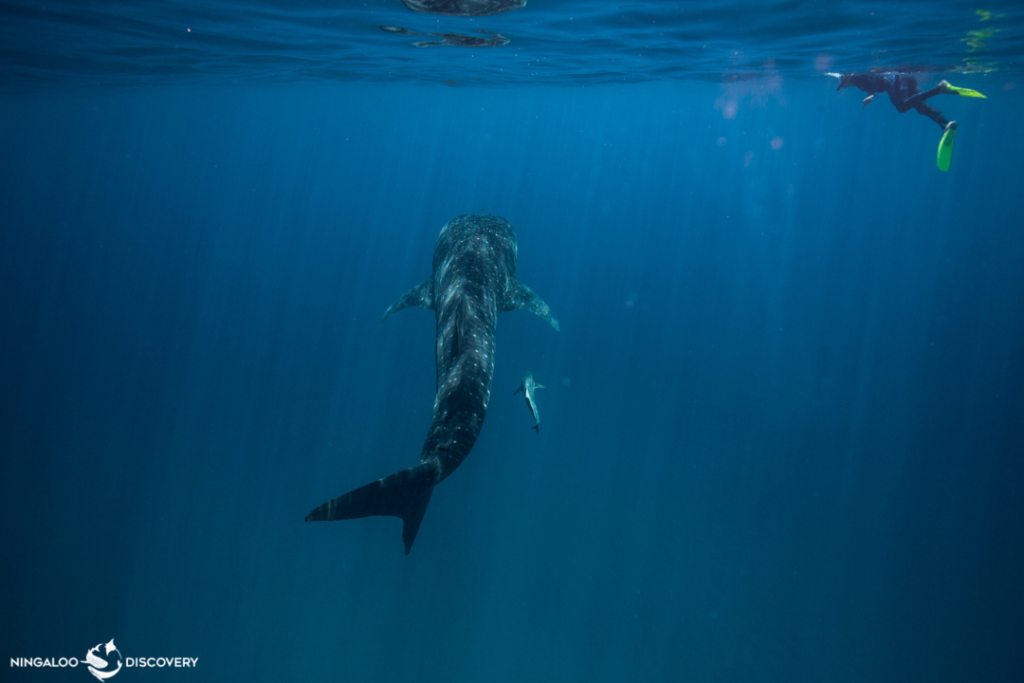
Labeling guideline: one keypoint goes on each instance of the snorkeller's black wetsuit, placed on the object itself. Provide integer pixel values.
(902, 89)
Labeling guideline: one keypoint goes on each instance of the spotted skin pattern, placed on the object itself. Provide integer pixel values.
(473, 282)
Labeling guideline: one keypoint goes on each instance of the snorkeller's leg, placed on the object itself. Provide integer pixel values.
(940, 89)
(932, 113)
(899, 100)
(943, 88)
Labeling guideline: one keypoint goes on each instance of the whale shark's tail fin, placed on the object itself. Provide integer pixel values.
(404, 494)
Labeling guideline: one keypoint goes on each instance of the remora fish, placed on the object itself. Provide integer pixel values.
(473, 282)
(528, 386)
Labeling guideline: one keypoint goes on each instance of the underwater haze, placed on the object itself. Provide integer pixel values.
(782, 428)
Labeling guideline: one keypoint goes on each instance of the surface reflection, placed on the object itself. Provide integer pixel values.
(456, 39)
(463, 8)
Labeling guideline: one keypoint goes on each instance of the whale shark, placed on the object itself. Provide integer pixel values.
(528, 387)
(473, 281)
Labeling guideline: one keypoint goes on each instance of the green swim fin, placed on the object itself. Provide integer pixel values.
(965, 92)
(945, 154)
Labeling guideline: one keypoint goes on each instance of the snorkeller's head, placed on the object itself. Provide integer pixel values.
(845, 80)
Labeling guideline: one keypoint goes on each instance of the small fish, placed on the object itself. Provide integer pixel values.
(528, 386)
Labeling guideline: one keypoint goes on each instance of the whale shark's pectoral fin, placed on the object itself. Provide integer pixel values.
(404, 494)
(420, 295)
(521, 296)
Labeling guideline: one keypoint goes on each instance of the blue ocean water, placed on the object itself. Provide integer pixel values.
(783, 428)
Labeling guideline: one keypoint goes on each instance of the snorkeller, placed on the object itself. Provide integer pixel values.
(905, 95)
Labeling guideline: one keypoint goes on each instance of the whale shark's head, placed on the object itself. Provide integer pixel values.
(489, 238)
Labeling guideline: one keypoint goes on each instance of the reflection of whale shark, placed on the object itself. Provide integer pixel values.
(528, 387)
(473, 282)
(463, 8)
(457, 39)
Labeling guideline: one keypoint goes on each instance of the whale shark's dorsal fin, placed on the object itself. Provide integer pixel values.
(420, 295)
(521, 296)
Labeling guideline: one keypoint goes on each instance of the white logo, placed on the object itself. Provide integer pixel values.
(107, 665)
(105, 661)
